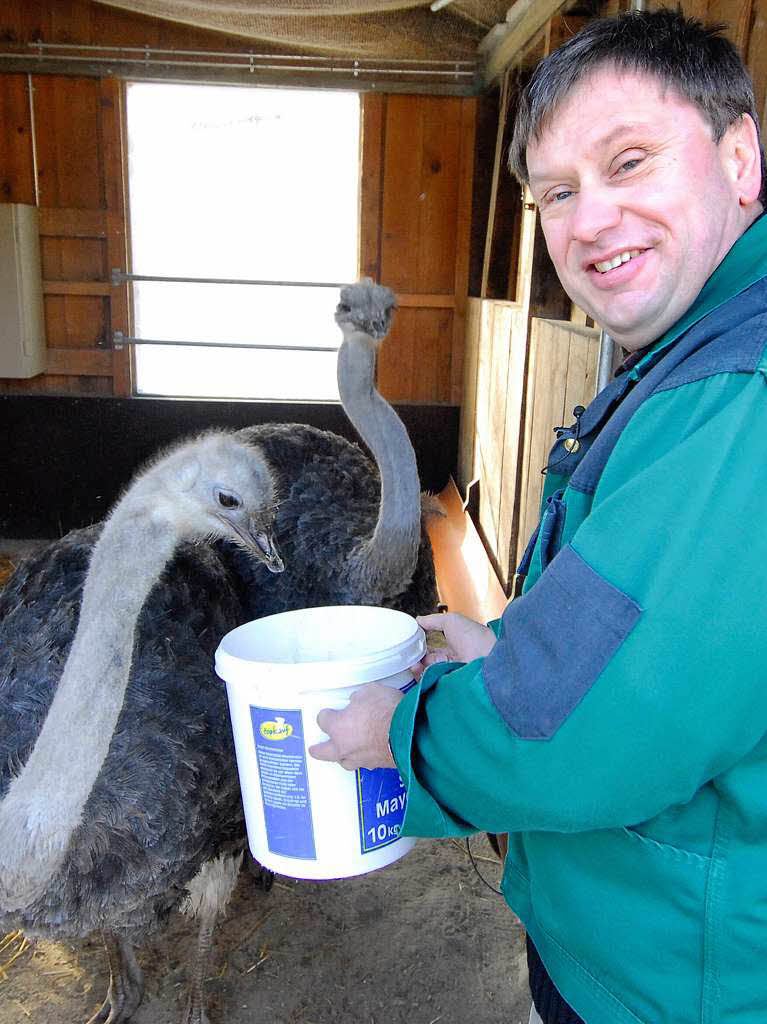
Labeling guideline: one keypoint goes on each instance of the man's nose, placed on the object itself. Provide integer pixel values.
(596, 210)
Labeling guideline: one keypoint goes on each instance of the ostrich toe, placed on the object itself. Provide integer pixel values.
(126, 983)
(367, 307)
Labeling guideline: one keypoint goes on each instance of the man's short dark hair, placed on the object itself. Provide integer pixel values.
(699, 63)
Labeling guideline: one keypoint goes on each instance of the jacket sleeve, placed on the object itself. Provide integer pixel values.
(632, 672)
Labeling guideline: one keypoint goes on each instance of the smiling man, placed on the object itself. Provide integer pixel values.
(614, 721)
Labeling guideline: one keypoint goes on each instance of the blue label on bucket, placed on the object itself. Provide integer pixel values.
(279, 741)
(381, 799)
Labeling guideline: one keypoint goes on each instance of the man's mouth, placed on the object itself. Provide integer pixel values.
(616, 261)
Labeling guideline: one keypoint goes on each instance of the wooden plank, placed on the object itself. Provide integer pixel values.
(582, 369)
(736, 15)
(467, 431)
(17, 163)
(51, 384)
(401, 205)
(431, 376)
(436, 242)
(73, 259)
(426, 301)
(508, 515)
(114, 133)
(425, 166)
(511, 47)
(465, 577)
(495, 354)
(373, 129)
(67, 121)
(494, 446)
(503, 109)
(462, 246)
(72, 321)
(756, 58)
(77, 288)
(73, 223)
(526, 248)
(86, 362)
(549, 352)
(396, 358)
(412, 366)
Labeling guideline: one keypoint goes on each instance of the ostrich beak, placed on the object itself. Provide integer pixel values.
(259, 541)
(265, 548)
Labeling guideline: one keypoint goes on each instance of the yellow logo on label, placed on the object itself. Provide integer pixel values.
(279, 729)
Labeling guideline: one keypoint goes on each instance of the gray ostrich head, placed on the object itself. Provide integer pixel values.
(215, 486)
(366, 306)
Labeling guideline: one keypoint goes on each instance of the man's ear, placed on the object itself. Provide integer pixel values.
(742, 158)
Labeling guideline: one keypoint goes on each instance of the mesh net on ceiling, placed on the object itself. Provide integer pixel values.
(368, 29)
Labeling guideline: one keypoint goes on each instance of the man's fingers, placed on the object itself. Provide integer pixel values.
(325, 719)
(436, 621)
(324, 751)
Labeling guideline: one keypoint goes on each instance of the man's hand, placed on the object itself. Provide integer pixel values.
(465, 638)
(359, 735)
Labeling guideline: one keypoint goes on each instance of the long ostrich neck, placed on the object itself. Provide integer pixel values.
(389, 557)
(44, 804)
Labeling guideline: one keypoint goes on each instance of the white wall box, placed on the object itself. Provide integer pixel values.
(22, 323)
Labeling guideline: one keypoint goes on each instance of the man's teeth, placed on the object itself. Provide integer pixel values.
(616, 261)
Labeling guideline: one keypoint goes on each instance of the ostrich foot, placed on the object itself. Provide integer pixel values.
(366, 307)
(126, 983)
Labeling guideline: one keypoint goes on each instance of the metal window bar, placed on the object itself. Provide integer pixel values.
(146, 56)
(121, 277)
(120, 340)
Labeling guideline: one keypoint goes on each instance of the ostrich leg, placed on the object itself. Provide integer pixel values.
(126, 982)
(195, 1007)
(209, 893)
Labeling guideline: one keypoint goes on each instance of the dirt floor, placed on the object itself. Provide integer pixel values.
(419, 942)
(423, 941)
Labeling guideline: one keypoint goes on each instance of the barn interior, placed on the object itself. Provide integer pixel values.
(487, 355)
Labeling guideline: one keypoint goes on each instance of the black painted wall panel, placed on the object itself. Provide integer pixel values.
(64, 460)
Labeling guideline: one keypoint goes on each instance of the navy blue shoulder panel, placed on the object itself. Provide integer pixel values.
(557, 639)
(738, 350)
(730, 339)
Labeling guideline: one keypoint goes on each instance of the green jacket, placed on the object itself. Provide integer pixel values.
(618, 729)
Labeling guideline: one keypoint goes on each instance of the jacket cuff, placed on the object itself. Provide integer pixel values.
(423, 815)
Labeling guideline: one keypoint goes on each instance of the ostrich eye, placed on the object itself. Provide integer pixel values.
(228, 500)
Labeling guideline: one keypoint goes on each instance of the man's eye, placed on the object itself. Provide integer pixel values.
(557, 195)
(629, 165)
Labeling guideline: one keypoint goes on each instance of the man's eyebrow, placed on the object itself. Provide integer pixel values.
(614, 136)
(629, 128)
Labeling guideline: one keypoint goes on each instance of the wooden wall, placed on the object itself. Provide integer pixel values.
(416, 190)
(530, 355)
(62, 147)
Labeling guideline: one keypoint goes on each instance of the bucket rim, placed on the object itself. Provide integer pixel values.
(379, 663)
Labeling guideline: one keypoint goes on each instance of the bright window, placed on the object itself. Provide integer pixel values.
(229, 182)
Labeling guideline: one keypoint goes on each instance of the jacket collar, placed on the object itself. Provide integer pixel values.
(744, 265)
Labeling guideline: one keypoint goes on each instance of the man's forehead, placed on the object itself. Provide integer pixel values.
(607, 81)
(609, 105)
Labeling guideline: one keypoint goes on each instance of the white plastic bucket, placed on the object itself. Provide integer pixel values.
(309, 818)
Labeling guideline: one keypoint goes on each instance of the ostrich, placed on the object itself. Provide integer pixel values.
(351, 530)
(356, 538)
(118, 795)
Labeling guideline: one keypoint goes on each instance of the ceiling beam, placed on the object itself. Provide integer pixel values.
(523, 21)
